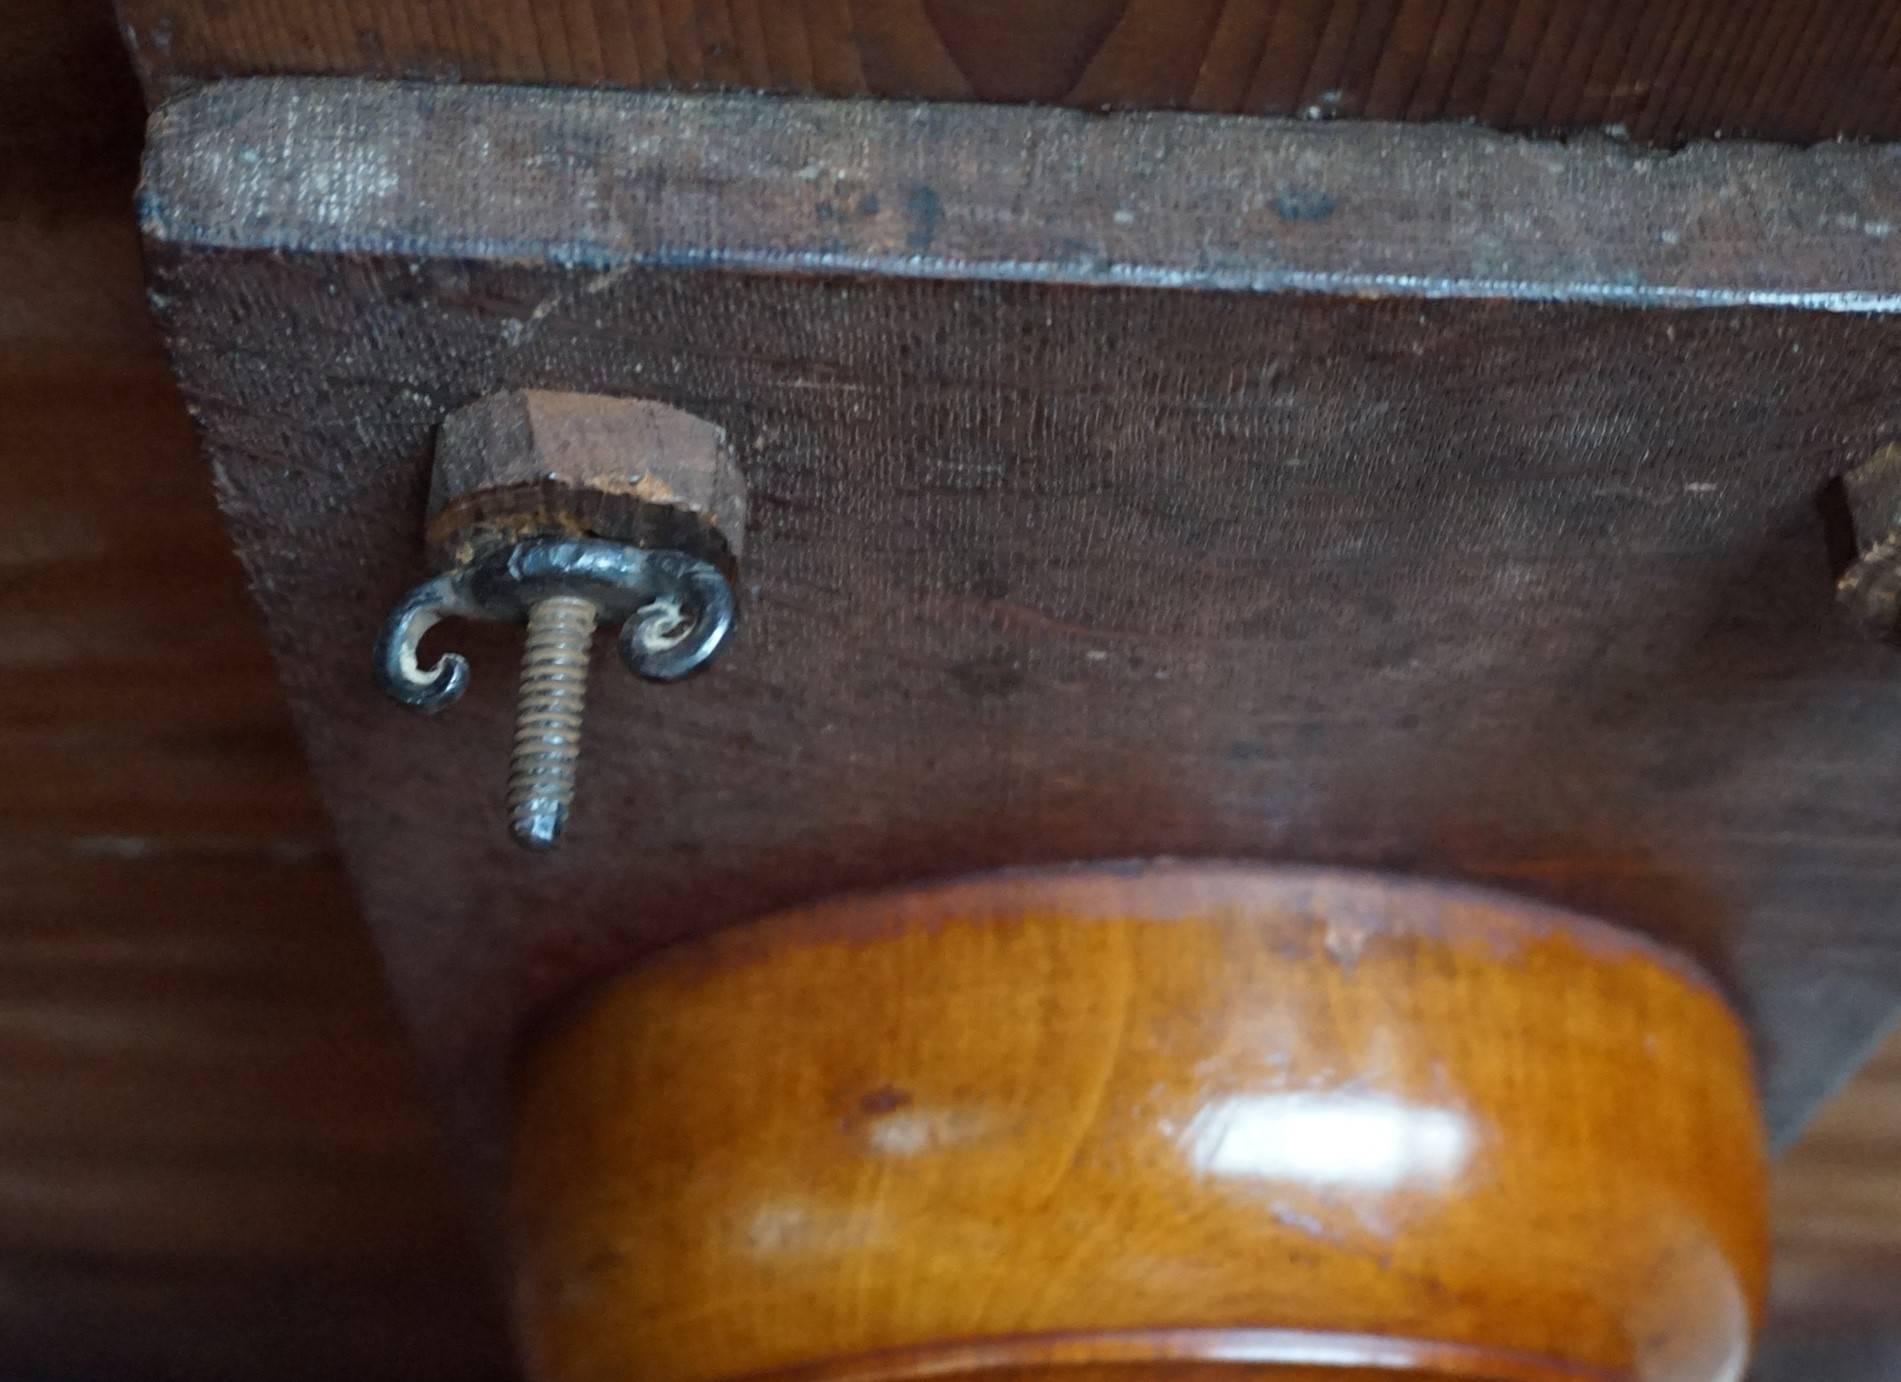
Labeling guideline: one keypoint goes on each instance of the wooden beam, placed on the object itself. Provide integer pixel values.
(1664, 70)
(1403, 497)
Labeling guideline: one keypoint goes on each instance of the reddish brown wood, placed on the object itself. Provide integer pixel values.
(1664, 70)
(1462, 520)
(534, 461)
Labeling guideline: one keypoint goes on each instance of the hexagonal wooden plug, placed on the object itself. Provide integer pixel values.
(562, 510)
(535, 463)
(1870, 586)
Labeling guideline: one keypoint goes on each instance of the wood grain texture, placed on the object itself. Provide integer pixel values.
(531, 463)
(214, 1160)
(165, 858)
(1665, 70)
(1837, 1206)
(1468, 558)
(1118, 1116)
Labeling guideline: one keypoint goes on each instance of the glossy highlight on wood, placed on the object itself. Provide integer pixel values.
(1087, 1122)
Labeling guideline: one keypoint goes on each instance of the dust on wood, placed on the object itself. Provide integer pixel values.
(1099, 508)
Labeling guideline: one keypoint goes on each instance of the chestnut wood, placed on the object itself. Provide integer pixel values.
(1202, 1115)
(1664, 70)
(1457, 521)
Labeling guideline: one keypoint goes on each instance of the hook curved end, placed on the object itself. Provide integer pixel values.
(399, 671)
(677, 632)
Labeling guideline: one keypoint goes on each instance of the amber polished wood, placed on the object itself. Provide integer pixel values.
(1196, 1116)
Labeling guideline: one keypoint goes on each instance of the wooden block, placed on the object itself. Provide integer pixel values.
(532, 461)
(1404, 497)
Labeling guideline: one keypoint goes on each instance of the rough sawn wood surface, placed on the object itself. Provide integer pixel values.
(1408, 497)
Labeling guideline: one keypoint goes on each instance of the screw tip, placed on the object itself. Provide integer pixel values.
(537, 824)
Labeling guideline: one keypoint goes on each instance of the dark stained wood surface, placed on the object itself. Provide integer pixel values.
(165, 857)
(1465, 522)
(214, 1163)
(1664, 70)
